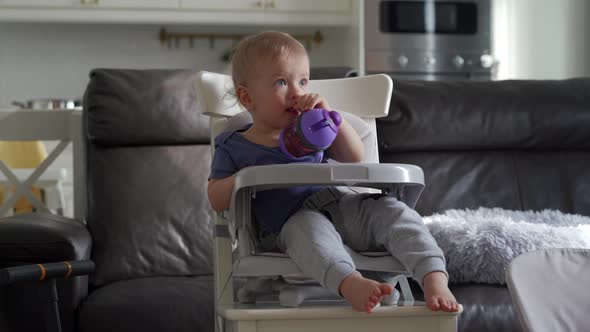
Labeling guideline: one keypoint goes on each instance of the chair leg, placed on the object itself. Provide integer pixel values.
(293, 296)
(406, 292)
(395, 295)
(253, 287)
(247, 293)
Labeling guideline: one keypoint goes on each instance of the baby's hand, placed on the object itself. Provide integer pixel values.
(311, 100)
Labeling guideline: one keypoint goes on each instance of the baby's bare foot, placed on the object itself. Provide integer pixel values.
(364, 294)
(437, 294)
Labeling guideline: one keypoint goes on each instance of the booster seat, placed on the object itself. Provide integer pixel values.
(360, 100)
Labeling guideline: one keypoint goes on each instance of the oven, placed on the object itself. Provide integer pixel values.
(429, 39)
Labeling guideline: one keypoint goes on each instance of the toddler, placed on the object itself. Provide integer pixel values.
(270, 72)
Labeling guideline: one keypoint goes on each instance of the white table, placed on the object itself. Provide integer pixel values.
(39, 125)
(549, 289)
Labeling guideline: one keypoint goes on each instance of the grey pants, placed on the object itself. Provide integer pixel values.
(313, 237)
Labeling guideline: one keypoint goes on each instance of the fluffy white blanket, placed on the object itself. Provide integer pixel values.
(479, 244)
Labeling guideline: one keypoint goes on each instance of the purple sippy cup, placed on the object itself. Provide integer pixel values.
(313, 131)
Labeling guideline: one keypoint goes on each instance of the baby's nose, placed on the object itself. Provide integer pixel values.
(296, 93)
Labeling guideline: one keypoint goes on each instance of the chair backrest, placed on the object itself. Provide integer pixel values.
(367, 97)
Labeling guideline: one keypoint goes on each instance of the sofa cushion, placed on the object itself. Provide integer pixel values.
(517, 145)
(514, 180)
(180, 304)
(467, 115)
(143, 107)
(485, 308)
(148, 211)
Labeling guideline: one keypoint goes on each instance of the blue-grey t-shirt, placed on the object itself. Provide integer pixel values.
(272, 207)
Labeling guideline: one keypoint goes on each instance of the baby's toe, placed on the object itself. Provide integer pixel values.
(377, 292)
(433, 303)
(454, 306)
(450, 306)
(385, 289)
(373, 306)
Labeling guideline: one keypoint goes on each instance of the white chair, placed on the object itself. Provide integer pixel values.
(366, 97)
(51, 182)
(64, 126)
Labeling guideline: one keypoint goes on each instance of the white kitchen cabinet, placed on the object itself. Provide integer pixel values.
(270, 6)
(275, 12)
(310, 5)
(316, 13)
(171, 4)
(38, 3)
(91, 3)
(254, 5)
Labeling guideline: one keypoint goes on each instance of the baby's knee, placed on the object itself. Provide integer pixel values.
(304, 220)
(388, 205)
(304, 225)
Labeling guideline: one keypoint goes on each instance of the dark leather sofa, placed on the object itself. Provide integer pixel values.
(518, 145)
(514, 144)
(149, 230)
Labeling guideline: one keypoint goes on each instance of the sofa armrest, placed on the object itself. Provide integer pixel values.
(41, 237)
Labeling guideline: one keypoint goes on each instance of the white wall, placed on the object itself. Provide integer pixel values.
(542, 39)
(53, 60)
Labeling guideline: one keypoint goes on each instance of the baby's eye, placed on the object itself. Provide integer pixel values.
(303, 82)
(281, 82)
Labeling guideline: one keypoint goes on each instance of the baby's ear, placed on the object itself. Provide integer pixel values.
(244, 97)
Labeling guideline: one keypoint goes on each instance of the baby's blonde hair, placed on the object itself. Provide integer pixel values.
(266, 46)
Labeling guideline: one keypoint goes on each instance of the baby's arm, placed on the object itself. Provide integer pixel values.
(219, 192)
(347, 147)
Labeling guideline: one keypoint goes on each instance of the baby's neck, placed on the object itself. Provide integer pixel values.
(267, 137)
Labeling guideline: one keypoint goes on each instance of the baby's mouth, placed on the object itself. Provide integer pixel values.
(291, 109)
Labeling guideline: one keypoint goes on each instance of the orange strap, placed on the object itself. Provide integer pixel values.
(43, 271)
(69, 269)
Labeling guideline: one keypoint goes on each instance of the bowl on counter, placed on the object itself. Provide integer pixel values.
(49, 104)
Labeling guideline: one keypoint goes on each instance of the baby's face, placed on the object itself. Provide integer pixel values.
(276, 88)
